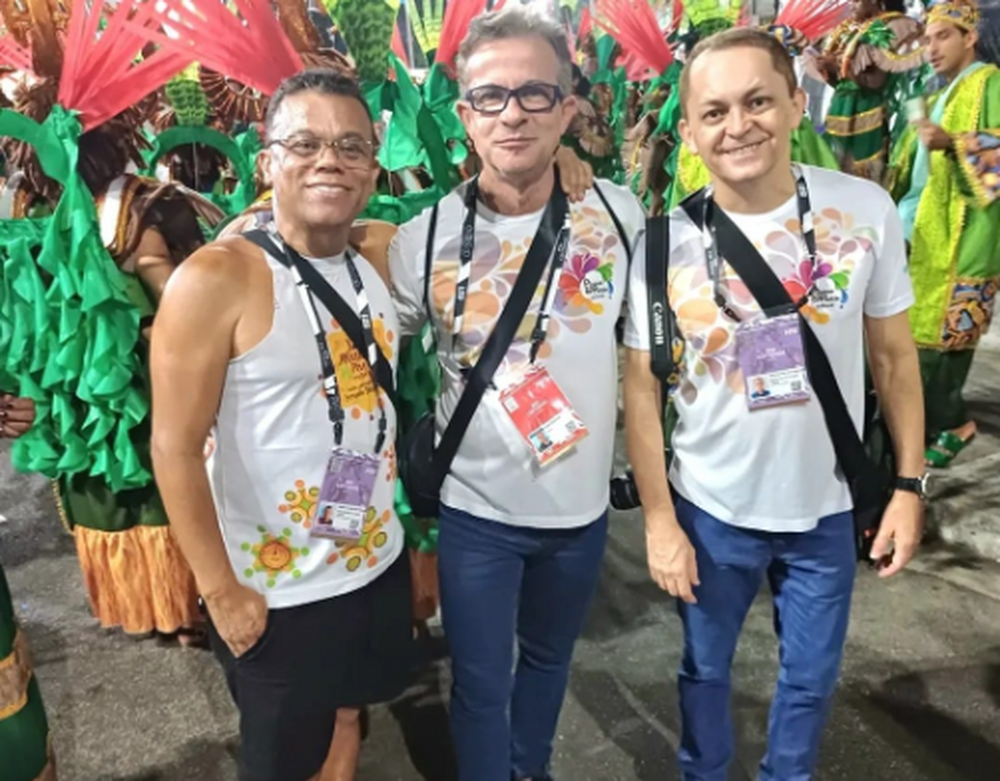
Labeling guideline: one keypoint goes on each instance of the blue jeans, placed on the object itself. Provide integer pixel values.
(501, 584)
(811, 575)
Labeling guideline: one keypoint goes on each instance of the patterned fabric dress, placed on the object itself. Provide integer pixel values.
(955, 245)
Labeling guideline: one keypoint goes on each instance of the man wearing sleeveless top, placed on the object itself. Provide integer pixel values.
(524, 516)
(307, 617)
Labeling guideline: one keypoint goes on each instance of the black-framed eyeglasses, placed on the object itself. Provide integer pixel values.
(352, 151)
(535, 97)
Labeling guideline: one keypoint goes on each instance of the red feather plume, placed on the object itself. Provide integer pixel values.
(100, 76)
(586, 23)
(676, 15)
(814, 18)
(397, 46)
(14, 55)
(634, 25)
(458, 15)
(249, 46)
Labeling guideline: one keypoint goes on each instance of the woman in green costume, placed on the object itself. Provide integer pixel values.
(861, 61)
(81, 288)
(946, 177)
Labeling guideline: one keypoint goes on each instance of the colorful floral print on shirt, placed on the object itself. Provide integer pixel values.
(583, 290)
(710, 335)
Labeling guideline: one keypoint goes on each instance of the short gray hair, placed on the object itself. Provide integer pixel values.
(516, 21)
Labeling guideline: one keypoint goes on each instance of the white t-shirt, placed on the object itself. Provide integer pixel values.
(494, 475)
(775, 469)
(273, 439)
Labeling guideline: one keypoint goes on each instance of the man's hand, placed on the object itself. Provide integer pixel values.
(239, 614)
(672, 562)
(17, 415)
(933, 137)
(900, 533)
(575, 175)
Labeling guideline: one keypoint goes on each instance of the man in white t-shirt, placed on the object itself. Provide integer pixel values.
(754, 490)
(520, 542)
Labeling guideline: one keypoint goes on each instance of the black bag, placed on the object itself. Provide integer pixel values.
(870, 487)
(422, 466)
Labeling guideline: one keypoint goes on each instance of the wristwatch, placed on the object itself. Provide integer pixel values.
(914, 485)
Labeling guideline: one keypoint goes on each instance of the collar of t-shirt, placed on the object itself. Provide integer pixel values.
(748, 222)
(486, 214)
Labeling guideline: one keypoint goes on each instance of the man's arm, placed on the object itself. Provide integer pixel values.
(192, 341)
(671, 557)
(896, 372)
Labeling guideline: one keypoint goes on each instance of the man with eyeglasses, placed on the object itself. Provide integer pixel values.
(524, 508)
(281, 343)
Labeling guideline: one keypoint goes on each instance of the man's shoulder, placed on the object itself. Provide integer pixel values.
(846, 193)
(620, 199)
(448, 209)
(682, 227)
(225, 264)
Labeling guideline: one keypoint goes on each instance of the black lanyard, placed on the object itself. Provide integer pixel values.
(540, 331)
(331, 389)
(714, 262)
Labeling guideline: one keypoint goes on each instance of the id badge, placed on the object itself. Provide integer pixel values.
(542, 415)
(345, 495)
(772, 356)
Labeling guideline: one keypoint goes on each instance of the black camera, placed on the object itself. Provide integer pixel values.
(624, 492)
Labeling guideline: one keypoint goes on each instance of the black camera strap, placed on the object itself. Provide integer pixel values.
(662, 328)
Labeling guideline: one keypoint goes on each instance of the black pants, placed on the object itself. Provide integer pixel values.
(343, 652)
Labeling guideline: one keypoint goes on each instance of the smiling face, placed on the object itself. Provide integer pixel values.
(515, 144)
(326, 188)
(949, 49)
(740, 113)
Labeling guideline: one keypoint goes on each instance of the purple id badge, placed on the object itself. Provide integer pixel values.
(772, 356)
(345, 495)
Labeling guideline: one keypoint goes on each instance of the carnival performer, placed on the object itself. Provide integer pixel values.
(861, 60)
(947, 180)
(135, 575)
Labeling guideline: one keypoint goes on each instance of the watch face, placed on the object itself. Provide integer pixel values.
(925, 486)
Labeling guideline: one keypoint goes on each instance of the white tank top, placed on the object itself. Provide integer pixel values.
(273, 438)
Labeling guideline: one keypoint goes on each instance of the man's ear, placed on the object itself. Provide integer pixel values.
(687, 135)
(265, 162)
(569, 108)
(465, 114)
(801, 100)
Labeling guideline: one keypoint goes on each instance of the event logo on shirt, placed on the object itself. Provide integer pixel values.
(595, 287)
(826, 296)
(586, 282)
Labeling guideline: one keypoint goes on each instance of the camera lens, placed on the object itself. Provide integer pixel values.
(624, 492)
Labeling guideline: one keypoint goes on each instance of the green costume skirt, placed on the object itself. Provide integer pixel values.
(24, 731)
(857, 128)
(944, 374)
